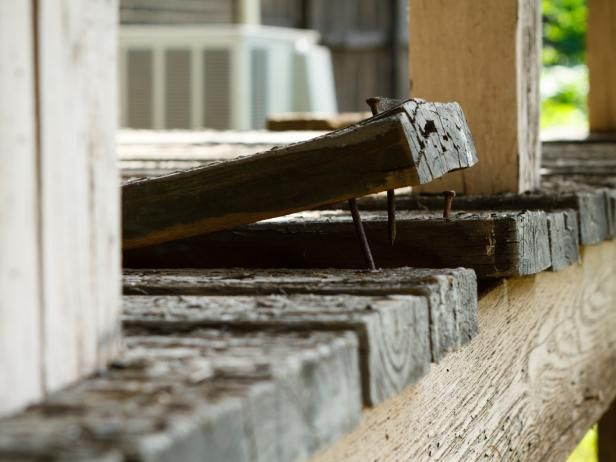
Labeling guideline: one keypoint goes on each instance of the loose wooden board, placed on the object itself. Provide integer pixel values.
(393, 331)
(541, 373)
(451, 294)
(494, 244)
(411, 144)
(204, 395)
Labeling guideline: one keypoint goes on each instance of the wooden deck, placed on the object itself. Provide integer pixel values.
(338, 364)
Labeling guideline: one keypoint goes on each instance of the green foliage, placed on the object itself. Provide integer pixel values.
(564, 32)
(587, 449)
(564, 83)
(564, 92)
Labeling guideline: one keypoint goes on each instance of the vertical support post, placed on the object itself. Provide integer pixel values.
(20, 295)
(601, 43)
(607, 435)
(483, 54)
(249, 11)
(59, 193)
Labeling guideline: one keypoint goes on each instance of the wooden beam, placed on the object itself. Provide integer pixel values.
(524, 389)
(601, 42)
(494, 244)
(310, 121)
(393, 331)
(452, 294)
(485, 55)
(411, 144)
(77, 62)
(204, 395)
(20, 294)
(59, 211)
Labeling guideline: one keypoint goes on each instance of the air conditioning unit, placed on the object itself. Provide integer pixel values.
(220, 77)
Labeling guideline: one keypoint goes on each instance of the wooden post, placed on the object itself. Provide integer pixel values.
(601, 42)
(483, 54)
(59, 193)
(607, 435)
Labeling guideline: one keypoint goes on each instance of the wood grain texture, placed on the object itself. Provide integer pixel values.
(393, 331)
(411, 144)
(564, 239)
(601, 41)
(528, 388)
(485, 55)
(80, 204)
(20, 295)
(451, 293)
(204, 395)
(494, 244)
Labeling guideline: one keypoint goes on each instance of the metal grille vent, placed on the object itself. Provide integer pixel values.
(140, 88)
(217, 89)
(178, 89)
(259, 90)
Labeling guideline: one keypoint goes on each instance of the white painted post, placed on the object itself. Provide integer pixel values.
(59, 219)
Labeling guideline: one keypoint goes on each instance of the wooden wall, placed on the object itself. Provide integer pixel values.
(356, 31)
(358, 34)
(178, 11)
(59, 195)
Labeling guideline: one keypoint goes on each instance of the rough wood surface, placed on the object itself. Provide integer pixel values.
(564, 239)
(310, 121)
(411, 144)
(204, 395)
(393, 331)
(494, 244)
(593, 157)
(528, 388)
(79, 186)
(452, 293)
(20, 296)
(485, 55)
(601, 42)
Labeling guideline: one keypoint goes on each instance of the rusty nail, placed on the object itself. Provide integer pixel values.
(391, 216)
(449, 195)
(391, 195)
(359, 229)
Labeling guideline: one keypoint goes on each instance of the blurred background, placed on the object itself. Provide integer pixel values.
(227, 64)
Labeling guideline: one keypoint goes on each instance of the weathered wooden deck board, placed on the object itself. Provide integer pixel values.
(451, 293)
(528, 388)
(494, 244)
(563, 229)
(205, 395)
(393, 331)
(411, 144)
(589, 204)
